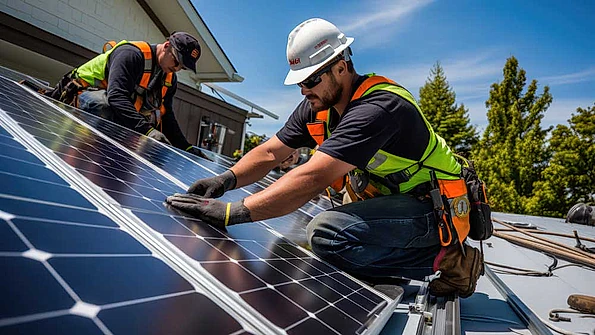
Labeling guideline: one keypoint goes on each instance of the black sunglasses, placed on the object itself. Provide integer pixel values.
(315, 79)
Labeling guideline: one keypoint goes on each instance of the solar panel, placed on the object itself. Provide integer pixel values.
(281, 286)
(71, 269)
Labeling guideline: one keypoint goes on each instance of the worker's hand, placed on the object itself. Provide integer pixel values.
(158, 136)
(214, 187)
(197, 152)
(214, 212)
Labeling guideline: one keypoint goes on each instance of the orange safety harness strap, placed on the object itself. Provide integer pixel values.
(108, 46)
(369, 83)
(145, 48)
(164, 88)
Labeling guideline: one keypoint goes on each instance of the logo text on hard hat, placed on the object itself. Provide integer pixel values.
(194, 53)
(321, 43)
(294, 61)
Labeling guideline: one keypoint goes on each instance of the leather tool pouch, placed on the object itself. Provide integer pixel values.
(66, 90)
(459, 271)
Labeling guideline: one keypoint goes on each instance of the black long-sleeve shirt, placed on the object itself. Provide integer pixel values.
(125, 67)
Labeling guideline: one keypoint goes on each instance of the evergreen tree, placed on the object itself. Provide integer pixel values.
(570, 176)
(512, 152)
(450, 121)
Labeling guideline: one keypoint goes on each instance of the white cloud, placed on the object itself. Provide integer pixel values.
(383, 13)
(571, 78)
(378, 21)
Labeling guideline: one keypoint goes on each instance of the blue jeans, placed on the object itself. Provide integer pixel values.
(95, 102)
(393, 235)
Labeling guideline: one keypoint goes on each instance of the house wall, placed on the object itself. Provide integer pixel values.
(191, 106)
(88, 23)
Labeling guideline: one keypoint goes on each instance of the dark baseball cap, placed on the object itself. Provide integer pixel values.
(187, 48)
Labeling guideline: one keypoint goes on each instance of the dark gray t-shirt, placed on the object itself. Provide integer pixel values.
(380, 120)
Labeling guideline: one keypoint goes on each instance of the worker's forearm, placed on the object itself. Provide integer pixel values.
(254, 165)
(125, 113)
(286, 195)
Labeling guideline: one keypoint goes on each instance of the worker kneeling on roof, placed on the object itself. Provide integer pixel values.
(133, 84)
(372, 134)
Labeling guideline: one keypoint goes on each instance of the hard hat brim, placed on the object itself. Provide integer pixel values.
(297, 76)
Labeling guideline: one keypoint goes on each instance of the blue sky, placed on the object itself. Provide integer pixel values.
(553, 41)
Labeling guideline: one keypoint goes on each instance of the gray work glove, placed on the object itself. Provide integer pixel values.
(212, 211)
(197, 152)
(214, 187)
(157, 135)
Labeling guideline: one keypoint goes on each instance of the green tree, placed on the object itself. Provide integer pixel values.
(570, 176)
(512, 152)
(449, 120)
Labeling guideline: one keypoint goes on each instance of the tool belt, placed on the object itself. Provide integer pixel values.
(461, 205)
(358, 186)
(68, 89)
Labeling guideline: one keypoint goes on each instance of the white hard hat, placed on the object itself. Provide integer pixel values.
(310, 46)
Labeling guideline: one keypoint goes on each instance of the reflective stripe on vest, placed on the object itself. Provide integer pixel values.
(437, 153)
(93, 72)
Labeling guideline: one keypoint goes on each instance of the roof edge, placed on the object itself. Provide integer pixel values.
(209, 39)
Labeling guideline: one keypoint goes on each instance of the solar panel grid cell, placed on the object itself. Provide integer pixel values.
(248, 259)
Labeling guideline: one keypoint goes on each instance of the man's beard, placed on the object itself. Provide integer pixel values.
(329, 100)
